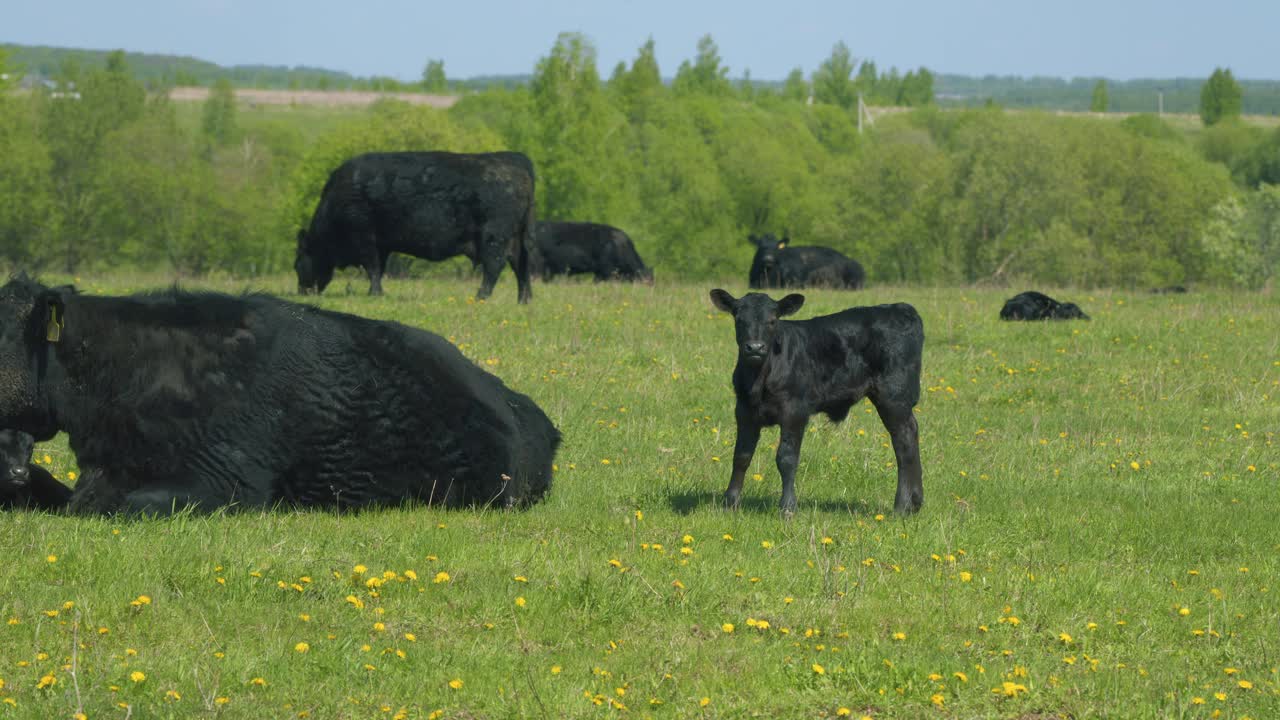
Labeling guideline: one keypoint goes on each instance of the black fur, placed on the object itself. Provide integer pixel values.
(778, 265)
(177, 398)
(788, 371)
(433, 205)
(1031, 305)
(23, 484)
(569, 248)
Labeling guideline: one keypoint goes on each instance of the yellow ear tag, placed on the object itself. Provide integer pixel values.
(781, 245)
(54, 332)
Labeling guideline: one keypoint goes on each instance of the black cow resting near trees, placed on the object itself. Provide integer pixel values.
(23, 484)
(1031, 305)
(177, 398)
(778, 266)
(568, 248)
(788, 371)
(433, 205)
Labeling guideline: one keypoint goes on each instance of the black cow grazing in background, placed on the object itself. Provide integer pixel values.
(777, 265)
(1031, 305)
(788, 371)
(569, 248)
(176, 398)
(23, 484)
(433, 205)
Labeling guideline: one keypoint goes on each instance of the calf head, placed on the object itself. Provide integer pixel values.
(314, 271)
(15, 456)
(1069, 311)
(755, 321)
(32, 321)
(764, 266)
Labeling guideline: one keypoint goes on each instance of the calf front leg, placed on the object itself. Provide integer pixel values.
(744, 449)
(789, 459)
(905, 435)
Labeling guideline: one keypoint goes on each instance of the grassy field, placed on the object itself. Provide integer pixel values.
(1099, 538)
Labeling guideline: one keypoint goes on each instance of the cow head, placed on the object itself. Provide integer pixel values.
(755, 321)
(764, 266)
(313, 268)
(33, 320)
(15, 456)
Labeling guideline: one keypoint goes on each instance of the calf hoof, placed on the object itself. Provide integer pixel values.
(908, 507)
(788, 508)
(731, 500)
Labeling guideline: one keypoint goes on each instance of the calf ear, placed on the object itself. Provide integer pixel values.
(789, 304)
(783, 242)
(724, 301)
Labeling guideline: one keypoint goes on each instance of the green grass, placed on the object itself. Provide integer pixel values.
(1164, 577)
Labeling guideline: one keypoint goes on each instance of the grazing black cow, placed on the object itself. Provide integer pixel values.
(433, 205)
(788, 371)
(177, 398)
(23, 484)
(1031, 305)
(776, 265)
(568, 248)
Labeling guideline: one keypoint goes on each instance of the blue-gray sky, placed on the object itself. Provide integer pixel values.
(1117, 39)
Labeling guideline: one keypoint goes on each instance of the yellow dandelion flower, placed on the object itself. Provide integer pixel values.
(766, 544)
(844, 712)
(301, 647)
(411, 637)
(51, 559)
(1245, 685)
(704, 702)
(221, 700)
(727, 537)
(411, 574)
(899, 636)
(1064, 638)
(1197, 700)
(46, 681)
(937, 699)
(259, 682)
(172, 695)
(379, 627)
(727, 627)
(1134, 464)
(456, 684)
(520, 602)
(137, 676)
(1184, 611)
(521, 579)
(819, 670)
(555, 669)
(441, 577)
(960, 676)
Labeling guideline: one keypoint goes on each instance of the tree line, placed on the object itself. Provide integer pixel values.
(114, 176)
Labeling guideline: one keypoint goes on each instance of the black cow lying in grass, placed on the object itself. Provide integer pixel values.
(23, 484)
(1031, 305)
(790, 370)
(177, 398)
(570, 248)
(777, 264)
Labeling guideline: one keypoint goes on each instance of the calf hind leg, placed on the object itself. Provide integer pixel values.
(904, 432)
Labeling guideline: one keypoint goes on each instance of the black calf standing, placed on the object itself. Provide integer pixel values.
(23, 484)
(790, 370)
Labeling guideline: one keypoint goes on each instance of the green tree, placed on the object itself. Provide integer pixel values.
(77, 117)
(705, 75)
(433, 78)
(795, 87)
(636, 89)
(916, 89)
(833, 81)
(1098, 102)
(218, 118)
(1220, 98)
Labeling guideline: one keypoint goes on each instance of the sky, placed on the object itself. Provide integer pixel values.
(1115, 39)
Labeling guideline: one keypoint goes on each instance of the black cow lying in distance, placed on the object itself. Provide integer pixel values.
(23, 484)
(177, 398)
(790, 370)
(1031, 305)
(570, 248)
(778, 265)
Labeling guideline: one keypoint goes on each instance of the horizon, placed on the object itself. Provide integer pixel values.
(1002, 38)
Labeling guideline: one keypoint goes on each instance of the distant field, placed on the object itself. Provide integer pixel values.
(1099, 538)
